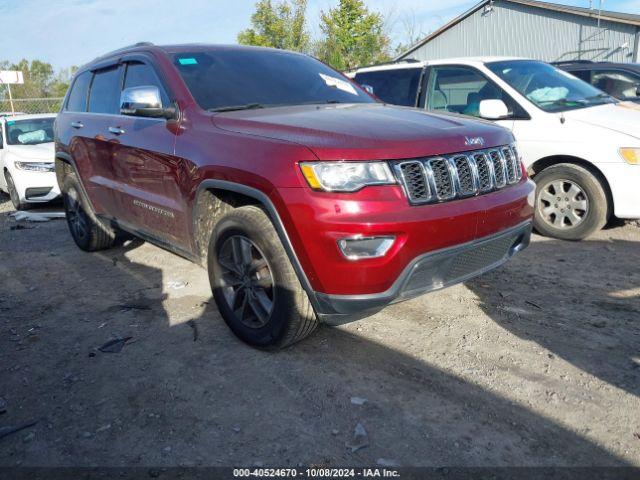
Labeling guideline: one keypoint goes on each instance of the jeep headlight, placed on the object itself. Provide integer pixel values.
(631, 155)
(36, 166)
(346, 176)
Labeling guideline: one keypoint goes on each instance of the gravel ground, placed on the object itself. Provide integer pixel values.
(535, 364)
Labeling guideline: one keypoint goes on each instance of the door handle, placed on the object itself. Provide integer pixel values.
(77, 124)
(116, 130)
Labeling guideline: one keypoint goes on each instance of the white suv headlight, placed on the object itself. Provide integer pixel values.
(36, 166)
(346, 176)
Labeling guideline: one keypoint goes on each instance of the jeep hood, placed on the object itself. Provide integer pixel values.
(365, 131)
(43, 152)
(623, 117)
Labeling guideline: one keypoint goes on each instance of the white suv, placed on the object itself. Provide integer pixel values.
(581, 146)
(27, 159)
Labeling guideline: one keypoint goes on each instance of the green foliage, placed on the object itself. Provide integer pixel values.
(280, 25)
(42, 87)
(352, 36)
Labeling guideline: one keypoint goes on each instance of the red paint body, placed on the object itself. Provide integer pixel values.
(162, 163)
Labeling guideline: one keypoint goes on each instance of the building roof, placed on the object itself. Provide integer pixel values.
(606, 15)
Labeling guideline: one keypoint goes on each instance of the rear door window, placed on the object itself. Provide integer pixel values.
(78, 95)
(104, 96)
(398, 87)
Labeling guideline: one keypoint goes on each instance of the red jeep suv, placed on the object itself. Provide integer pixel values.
(306, 199)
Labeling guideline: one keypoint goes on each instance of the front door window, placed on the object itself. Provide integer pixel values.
(460, 90)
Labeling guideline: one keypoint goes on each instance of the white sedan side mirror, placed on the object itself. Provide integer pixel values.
(493, 109)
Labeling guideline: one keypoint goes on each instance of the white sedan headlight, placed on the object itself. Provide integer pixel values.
(36, 166)
(346, 176)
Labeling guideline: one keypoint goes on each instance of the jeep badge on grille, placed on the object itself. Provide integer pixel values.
(474, 141)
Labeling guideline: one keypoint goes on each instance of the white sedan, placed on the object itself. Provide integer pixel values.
(27, 159)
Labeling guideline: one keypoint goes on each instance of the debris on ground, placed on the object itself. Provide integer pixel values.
(115, 345)
(529, 302)
(360, 439)
(385, 462)
(6, 431)
(358, 400)
(36, 216)
(194, 327)
(177, 285)
(19, 227)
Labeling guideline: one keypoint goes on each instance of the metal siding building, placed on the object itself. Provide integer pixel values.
(531, 29)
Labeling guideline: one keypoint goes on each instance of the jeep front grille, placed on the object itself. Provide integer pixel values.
(439, 179)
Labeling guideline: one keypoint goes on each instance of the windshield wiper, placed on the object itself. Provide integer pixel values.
(600, 96)
(232, 108)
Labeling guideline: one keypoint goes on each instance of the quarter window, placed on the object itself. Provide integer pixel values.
(78, 96)
(141, 75)
(104, 96)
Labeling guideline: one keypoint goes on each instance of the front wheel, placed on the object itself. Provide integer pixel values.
(254, 285)
(13, 193)
(571, 203)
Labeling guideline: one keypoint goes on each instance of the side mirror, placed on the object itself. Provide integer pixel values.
(144, 101)
(367, 88)
(493, 109)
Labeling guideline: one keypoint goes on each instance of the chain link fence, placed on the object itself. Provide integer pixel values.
(29, 98)
(32, 105)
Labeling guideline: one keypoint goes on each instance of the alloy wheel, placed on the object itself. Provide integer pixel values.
(563, 204)
(76, 216)
(247, 281)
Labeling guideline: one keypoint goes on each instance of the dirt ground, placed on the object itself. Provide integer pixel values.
(535, 364)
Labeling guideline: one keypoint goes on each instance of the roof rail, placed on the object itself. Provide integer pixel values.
(391, 62)
(569, 62)
(122, 49)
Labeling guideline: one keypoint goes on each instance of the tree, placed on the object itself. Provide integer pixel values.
(353, 36)
(279, 26)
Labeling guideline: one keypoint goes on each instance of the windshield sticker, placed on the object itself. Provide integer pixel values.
(11, 122)
(548, 94)
(188, 61)
(338, 83)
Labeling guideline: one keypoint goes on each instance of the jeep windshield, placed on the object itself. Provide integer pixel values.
(240, 79)
(548, 88)
(30, 132)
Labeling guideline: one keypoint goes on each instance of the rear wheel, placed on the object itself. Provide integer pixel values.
(13, 193)
(254, 284)
(89, 233)
(571, 203)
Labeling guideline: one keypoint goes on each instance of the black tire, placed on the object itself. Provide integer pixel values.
(13, 193)
(291, 317)
(556, 187)
(89, 233)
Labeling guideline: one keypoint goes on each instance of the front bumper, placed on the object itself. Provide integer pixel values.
(624, 182)
(36, 187)
(430, 272)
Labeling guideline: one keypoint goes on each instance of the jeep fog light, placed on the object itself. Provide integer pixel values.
(358, 248)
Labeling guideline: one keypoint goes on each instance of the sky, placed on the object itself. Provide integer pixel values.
(72, 32)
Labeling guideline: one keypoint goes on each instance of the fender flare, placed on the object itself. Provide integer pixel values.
(268, 205)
